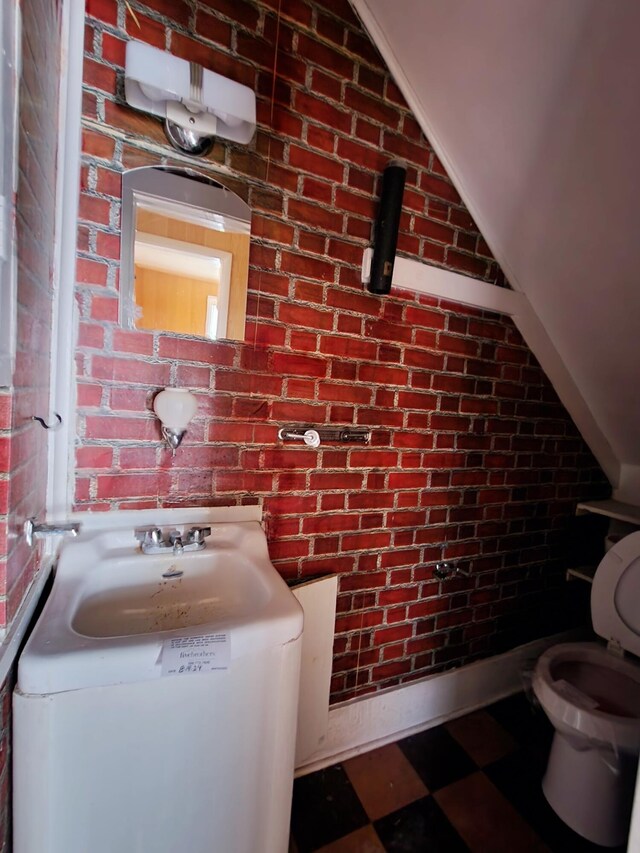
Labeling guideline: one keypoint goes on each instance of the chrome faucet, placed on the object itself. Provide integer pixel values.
(175, 538)
(34, 529)
(153, 541)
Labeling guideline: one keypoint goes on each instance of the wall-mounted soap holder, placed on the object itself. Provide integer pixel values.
(314, 436)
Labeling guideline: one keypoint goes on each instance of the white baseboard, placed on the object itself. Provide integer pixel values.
(421, 277)
(362, 724)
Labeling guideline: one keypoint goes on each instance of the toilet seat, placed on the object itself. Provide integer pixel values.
(615, 595)
(564, 682)
(592, 698)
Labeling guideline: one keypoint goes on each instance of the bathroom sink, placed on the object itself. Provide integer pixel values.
(112, 608)
(130, 595)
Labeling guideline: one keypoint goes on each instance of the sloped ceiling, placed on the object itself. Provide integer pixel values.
(534, 108)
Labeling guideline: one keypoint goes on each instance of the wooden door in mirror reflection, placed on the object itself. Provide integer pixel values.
(178, 302)
(172, 302)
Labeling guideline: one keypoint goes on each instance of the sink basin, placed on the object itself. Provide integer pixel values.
(127, 595)
(111, 608)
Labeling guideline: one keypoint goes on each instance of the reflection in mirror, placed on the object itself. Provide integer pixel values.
(185, 254)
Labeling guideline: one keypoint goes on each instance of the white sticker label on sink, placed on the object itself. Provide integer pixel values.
(187, 655)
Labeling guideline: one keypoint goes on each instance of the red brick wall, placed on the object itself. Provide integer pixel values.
(23, 443)
(472, 456)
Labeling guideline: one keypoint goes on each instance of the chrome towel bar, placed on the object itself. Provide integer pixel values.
(313, 436)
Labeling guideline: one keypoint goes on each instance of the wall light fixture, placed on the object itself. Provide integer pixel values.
(174, 407)
(385, 238)
(197, 104)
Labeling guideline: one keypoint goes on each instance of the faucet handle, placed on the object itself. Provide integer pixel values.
(175, 541)
(197, 535)
(148, 535)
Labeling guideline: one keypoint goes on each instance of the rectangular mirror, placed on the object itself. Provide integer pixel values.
(185, 254)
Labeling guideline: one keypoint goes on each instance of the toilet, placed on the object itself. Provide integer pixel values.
(591, 695)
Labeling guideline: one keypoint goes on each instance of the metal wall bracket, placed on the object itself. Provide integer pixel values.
(33, 529)
(446, 569)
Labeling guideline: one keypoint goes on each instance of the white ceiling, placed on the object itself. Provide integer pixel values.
(534, 107)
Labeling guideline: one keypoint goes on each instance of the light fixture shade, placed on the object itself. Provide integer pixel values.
(175, 407)
(188, 94)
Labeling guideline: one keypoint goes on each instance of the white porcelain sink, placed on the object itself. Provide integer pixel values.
(111, 608)
(123, 744)
(127, 594)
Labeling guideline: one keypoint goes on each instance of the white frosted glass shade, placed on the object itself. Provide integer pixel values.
(159, 83)
(175, 407)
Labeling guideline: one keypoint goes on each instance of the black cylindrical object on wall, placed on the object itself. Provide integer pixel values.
(385, 236)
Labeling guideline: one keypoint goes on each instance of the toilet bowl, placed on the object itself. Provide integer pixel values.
(591, 695)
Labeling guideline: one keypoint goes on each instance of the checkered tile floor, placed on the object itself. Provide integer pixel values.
(470, 785)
